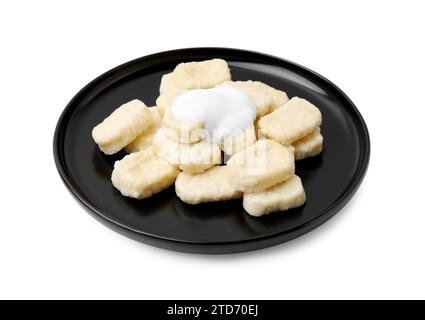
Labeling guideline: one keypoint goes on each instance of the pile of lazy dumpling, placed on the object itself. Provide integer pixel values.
(164, 150)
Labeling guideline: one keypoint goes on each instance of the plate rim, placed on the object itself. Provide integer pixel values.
(324, 215)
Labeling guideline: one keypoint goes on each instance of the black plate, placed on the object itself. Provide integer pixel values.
(330, 179)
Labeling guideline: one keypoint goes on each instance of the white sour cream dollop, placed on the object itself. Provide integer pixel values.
(223, 111)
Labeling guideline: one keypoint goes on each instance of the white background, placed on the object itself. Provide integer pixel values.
(50, 248)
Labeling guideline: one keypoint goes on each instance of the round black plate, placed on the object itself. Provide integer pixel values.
(330, 179)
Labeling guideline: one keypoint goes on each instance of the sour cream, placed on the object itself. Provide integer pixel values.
(223, 111)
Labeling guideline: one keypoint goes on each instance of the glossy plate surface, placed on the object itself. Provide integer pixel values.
(330, 179)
